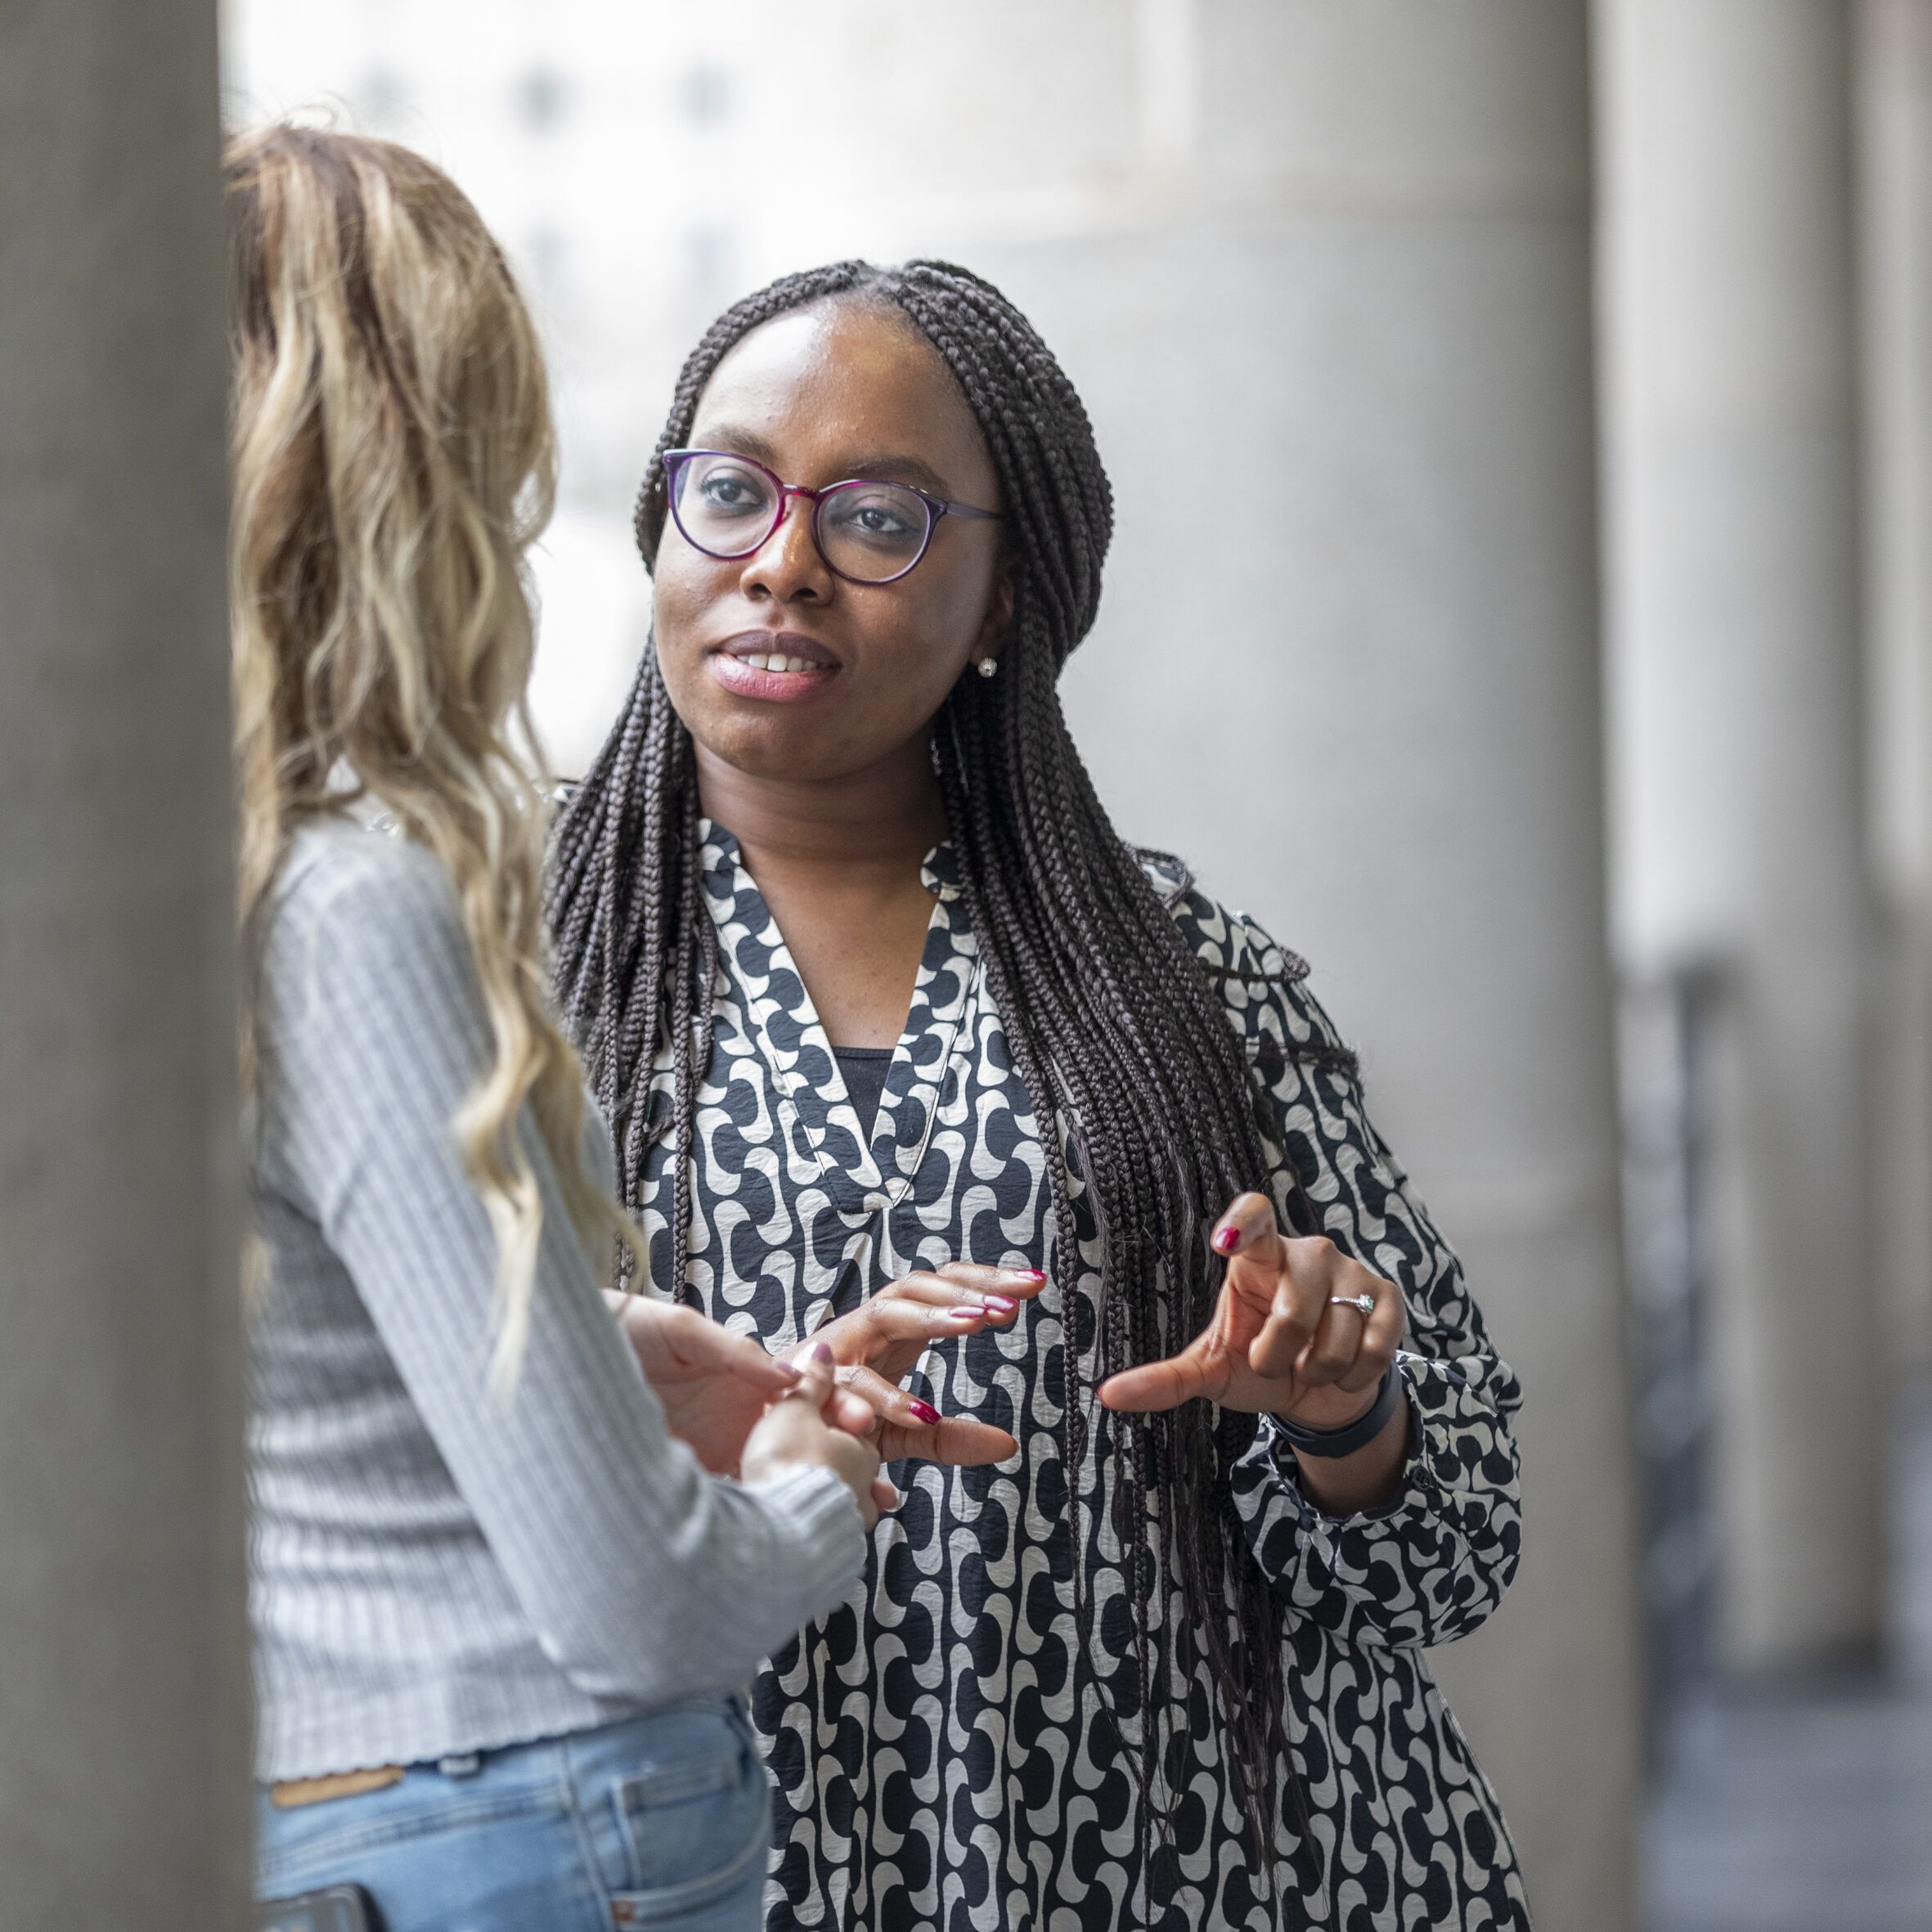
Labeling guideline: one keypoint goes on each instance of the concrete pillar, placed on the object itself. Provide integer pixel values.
(123, 1646)
(1734, 580)
(1349, 663)
(1894, 83)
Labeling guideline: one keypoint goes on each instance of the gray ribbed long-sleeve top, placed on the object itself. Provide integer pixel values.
(437, 1569)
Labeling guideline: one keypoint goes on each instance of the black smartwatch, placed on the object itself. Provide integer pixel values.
(1356, 1434)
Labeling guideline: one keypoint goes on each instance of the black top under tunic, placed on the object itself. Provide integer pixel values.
(864, 1070)
(939, 1761)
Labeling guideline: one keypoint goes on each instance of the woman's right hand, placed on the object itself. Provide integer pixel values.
(880, 1342)
(795, 1433)
(889, 1330)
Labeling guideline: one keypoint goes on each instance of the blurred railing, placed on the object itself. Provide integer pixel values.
(1667, 1031)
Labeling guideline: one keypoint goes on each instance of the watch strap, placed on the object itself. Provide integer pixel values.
(1358, 1434)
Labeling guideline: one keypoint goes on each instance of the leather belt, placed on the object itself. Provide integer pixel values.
(292, 1791)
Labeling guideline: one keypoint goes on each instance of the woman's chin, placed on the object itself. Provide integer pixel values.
(773, 744)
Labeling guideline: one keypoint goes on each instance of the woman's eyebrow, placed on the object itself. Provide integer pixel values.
(885, 468)
(737, 442)
(880, 466)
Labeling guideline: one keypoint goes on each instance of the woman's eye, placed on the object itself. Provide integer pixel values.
(883, 518)
(727, 491)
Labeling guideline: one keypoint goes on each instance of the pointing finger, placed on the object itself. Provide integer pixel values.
(887, 1401)
(1017, 1284)
(905, 1426)
(957, 1442)
(892, 1323)
(1157, 1385)
(964, 1284)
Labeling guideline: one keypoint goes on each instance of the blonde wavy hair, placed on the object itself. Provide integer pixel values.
(392, 459)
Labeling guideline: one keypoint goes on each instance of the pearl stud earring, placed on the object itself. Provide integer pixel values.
(988, 666)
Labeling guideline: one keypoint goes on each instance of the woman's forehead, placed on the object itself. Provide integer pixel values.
(823, 387)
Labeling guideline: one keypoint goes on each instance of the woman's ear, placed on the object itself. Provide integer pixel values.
(998, 618)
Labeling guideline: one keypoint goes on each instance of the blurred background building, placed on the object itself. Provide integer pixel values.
(1554, 668)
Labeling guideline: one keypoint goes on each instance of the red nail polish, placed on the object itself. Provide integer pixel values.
(1030, 1274)
(925, 1411)
(998, 1304)
(1227, 1241)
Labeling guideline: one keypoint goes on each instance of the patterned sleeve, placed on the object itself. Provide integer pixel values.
(1431, 1564)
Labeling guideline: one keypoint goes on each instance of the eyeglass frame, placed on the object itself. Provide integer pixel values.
(937, 509)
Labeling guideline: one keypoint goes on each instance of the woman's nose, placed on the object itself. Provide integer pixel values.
(787, 566)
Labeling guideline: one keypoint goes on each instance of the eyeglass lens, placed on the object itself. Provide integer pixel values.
(869, 531)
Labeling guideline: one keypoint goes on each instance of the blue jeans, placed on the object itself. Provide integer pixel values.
(661, 1821)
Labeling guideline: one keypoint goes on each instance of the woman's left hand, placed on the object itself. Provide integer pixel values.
(1279, 1342)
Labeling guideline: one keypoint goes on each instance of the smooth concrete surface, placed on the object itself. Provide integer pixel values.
(1734, 578)
(1893, 103)
(1348, 663)
(123, 1650)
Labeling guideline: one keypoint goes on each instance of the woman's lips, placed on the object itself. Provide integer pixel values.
(773, 668)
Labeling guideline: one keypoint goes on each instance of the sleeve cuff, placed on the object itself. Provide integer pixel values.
(1416, 1475)
(817, 1511)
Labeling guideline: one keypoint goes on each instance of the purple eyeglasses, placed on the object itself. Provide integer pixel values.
(727, 506)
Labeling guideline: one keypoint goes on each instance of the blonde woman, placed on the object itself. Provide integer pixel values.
(500, 1613)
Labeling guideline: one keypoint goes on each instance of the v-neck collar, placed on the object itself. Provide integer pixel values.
(860, 1173)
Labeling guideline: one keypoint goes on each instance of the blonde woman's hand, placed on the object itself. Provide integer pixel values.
(714, 1385)
(794, 1433)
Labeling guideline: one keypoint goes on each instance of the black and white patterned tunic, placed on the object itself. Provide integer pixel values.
(937, 1758)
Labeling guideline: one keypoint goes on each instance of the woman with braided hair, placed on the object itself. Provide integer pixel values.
(907, 1053)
